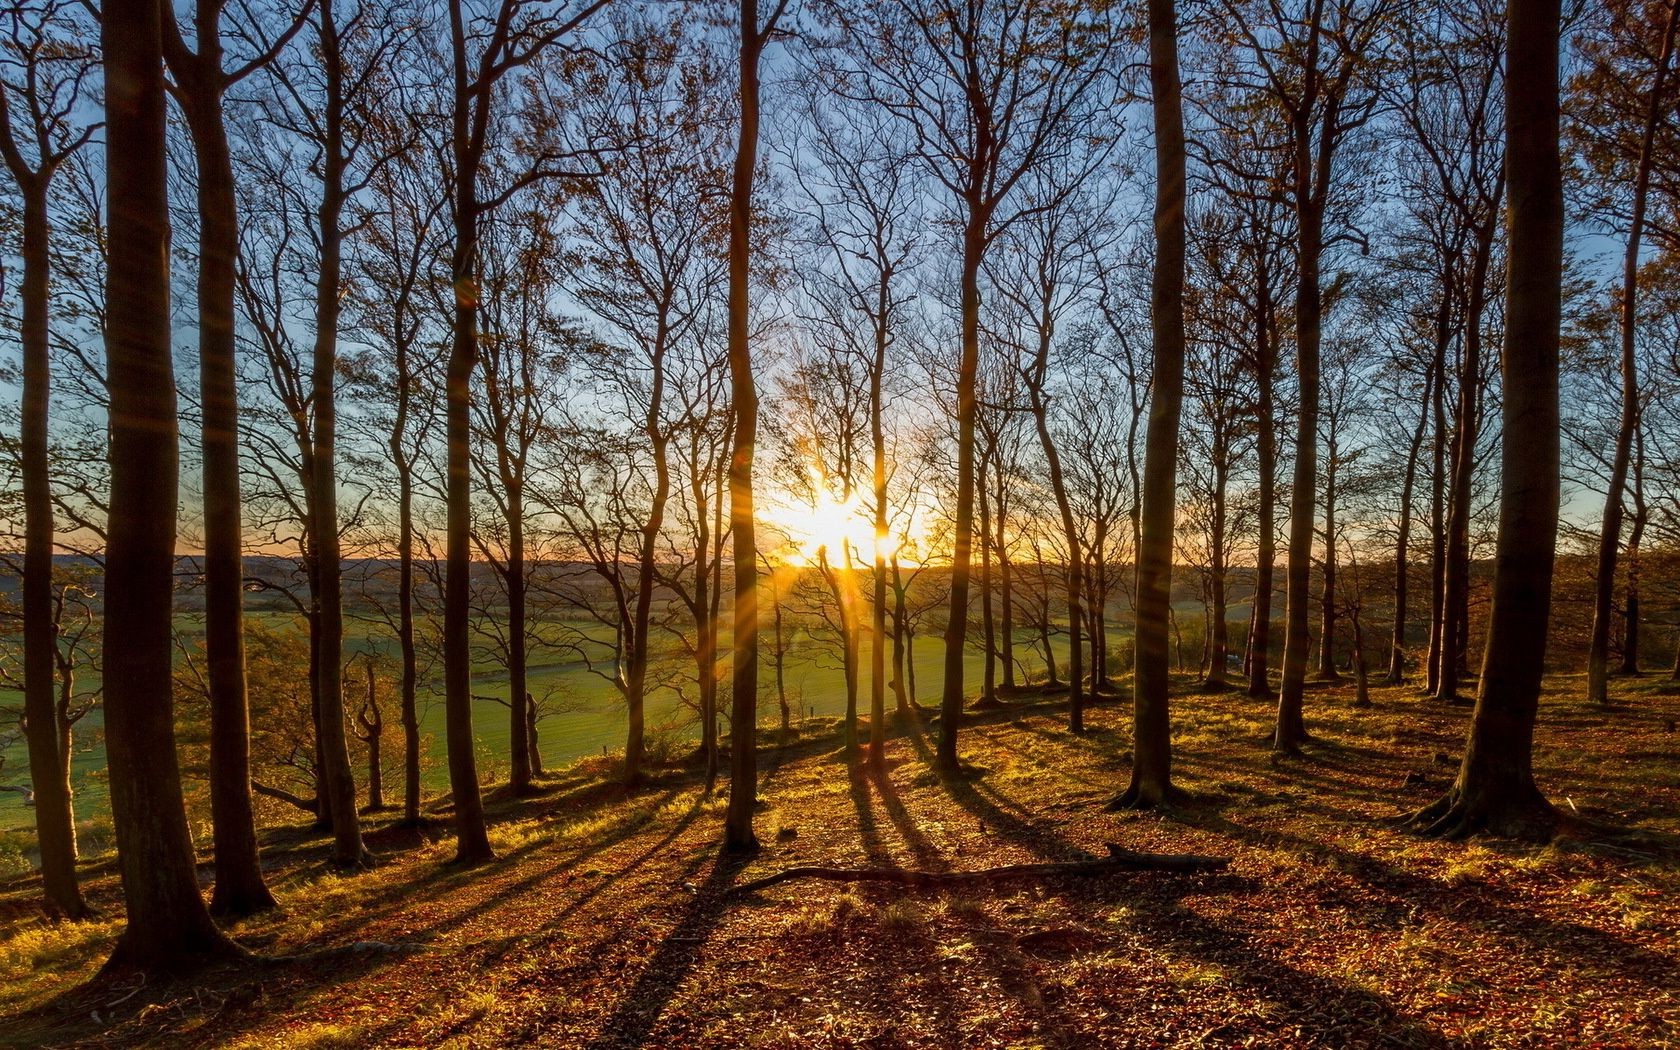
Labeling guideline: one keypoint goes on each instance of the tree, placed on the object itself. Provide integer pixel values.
(991, 90)
(200, 84)
(46, 62)
(1610, 532)
(1495, 789)
(168, 924)
(642, 254)
(1312, 64)
(508, 35)
(743, 393)
(1152, 740)
(864, 226)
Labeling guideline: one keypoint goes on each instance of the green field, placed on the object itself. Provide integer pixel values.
(583, 715)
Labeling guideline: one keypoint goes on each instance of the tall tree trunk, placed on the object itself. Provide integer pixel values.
(239, 888)
(646, 573)
(1403, 543)
(878, 582)
(1495, 789)
(988, 623)
(1265, 442)
(1074, 569)
(1291, 730)
(471, 836)
(1610, 533)
(1456, 642)
(743, 716)
(956, 624)
(1438, 495)
(168, 924)
(1152, 744)
(55, 822)
(405, 611)
(348, 850)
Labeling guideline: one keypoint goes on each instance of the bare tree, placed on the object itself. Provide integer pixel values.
(47, 62)
(1495, 789)
(201, 81)
(486, 45)
(168, 924)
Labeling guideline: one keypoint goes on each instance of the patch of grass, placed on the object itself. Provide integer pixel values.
(519, 835)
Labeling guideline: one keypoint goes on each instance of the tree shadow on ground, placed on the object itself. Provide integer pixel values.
(639, 1009)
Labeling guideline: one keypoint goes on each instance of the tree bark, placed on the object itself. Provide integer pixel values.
(743, 716)
(169, 927)
(1495, 789)
(239, 888)
(1152, 744)
(1265, 442)
(471, 837)
(348, 850)
(55, 822)
(1403, 543)
(956, 623)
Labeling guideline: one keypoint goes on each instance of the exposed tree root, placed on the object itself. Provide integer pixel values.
(1137, 797)
(1456, 816)
(1118, 860)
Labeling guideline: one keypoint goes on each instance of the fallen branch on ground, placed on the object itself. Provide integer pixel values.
(1118, 860)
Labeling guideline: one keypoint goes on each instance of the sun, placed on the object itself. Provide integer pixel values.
(827, 524)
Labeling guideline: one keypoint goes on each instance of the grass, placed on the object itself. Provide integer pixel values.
(605, 922)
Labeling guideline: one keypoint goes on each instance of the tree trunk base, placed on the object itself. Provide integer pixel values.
(1525, 816)
(1139, 797)
(1118, 860)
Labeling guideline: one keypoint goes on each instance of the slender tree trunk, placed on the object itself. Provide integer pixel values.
(988, 623)
(169, 928)
(743, 716)
(878, 597)
(1291, 730)
(1265, 558)
(1327, 608)
(472, 839)
(1495, 789)
(1610, 533)
(519, 713)
(1218, 636)
(1152, 744)
(375, 729)
(348, 850)
(1074, 569)
(904, 673)
(405, 614)
(646, 574)
(531, 740)
(55, 822)
(956, 624)
(1403, 544)
(1006, 591)
(239, 888)
(1630, 636)
(1438, 498)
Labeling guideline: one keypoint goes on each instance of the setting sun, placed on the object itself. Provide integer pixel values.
(827, 523)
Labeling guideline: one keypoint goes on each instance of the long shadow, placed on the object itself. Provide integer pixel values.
(1324, 1010)
(1508, 919)
(639, 1009)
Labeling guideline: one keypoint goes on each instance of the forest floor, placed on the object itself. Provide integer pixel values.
(605, 922)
